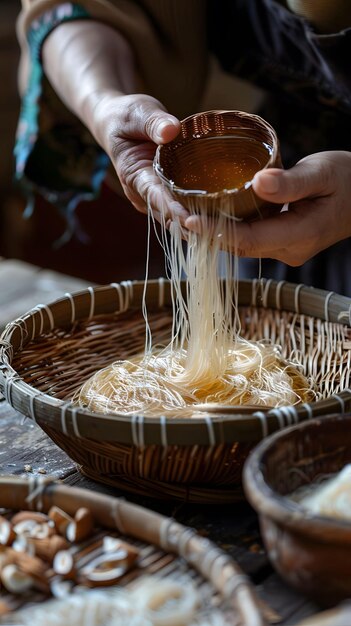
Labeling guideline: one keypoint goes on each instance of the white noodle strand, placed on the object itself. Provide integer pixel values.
(206, 360)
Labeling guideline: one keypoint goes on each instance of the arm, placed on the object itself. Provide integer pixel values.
(99, 87)
(55, 154)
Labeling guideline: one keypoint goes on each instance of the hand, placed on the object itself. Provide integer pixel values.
(318, 191)
(127, 125)
(130, 128)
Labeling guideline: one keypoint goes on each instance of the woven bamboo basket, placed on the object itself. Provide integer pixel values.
(49, 352)
(166, 548)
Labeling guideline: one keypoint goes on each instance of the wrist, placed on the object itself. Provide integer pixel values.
(97, 109)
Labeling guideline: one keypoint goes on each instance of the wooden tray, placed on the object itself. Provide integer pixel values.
(166, 548)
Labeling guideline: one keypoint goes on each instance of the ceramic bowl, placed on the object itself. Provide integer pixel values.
(313, 553)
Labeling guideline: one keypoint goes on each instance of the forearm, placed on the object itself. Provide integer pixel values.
(86, 61)
(96, 72)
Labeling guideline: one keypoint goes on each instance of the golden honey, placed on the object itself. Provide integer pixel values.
(212, 164)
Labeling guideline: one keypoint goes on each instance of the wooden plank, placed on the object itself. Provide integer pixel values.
(234, 528)
(23, 286)
(25, 448)
(287, 605)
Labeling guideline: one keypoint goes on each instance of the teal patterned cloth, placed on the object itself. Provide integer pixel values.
(55, 154)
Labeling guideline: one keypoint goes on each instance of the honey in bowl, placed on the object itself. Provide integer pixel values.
(213, 164)
(214, 159)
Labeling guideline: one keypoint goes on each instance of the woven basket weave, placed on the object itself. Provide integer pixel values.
(49, 352)
(167, 549)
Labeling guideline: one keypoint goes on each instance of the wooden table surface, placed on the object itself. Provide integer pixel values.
(26, 449)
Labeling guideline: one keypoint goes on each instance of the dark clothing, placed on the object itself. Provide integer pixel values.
(309, 103)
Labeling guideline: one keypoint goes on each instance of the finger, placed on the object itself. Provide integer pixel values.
(163, 205)
(310, 177)
(195, 224)
(268, 237)
(283, 255)
(147, 118)
(293, 236)
(294, 257)
(145, 191)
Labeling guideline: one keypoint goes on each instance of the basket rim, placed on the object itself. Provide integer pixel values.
(215, 565)
(140, 431)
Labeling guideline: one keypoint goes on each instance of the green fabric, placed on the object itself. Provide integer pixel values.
(55, 154)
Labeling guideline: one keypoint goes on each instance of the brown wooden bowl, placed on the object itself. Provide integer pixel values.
(209, 149)
(313, 553)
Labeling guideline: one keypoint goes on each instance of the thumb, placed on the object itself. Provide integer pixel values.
(150, 119)
(308, 178)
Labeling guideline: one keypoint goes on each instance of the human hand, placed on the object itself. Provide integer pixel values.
(318, 190)
(129, 128)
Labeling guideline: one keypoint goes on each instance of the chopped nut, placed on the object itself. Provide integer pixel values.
(81, 527)
(14, 580)
(60, 519)
(64, 564)
(106, 569)
(47, 548)
(25, 527)
(7, 533)
(34, 516)
(28, 468)
(43, 531)
(24, 544)
(113, 544)
(31, 528)
(27, 563)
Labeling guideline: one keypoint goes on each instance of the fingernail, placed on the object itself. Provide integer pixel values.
(269, 183)
(161, 127)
